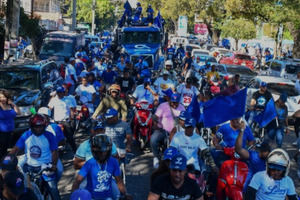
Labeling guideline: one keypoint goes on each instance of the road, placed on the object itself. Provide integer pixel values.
(138, 171)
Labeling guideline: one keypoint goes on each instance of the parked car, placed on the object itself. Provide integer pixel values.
(191, 47)
(199, 52)
(237, 59)
(287, 68)
(219, 52)
(277, 86)
(206, 59)
(179, 40)
(245, 73)
(30, 84)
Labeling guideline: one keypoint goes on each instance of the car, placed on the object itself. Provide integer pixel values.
(206, 59)
(245, 73)
(287, 68)
(277, 86)
(209, 46)
(199, 52)
(218, 52)
(235, 58)
(30, 84)
(191, 47)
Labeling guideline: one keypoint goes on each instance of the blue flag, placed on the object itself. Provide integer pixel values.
(224, 108)
(158, 20)
(267, 115)
(128, 9)
(194, 109)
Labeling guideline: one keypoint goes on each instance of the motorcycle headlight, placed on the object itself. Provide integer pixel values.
(25, 111)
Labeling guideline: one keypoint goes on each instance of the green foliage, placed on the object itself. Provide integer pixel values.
(239, 29)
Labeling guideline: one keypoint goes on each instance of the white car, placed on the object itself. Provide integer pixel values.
(277, 86)
(219, 51)
(198, 52)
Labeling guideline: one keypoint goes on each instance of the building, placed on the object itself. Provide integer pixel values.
(48, 10)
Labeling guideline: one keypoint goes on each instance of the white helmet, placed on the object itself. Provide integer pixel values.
(44, 111)
(169, 62)
(280, 158)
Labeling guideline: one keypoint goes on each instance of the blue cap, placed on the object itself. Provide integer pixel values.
(147, 80)
(169, 153)
(99, 125)
(189, 122)
(263, 84)
(175, 98)
(168, 92)
(283, 97)
(109, 67)
(60, 89)
(111, 113)
(81, 194)
(178, 162)
(183, 115)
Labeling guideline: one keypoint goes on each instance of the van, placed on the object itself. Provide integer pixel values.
(285, 68)
(61, 44)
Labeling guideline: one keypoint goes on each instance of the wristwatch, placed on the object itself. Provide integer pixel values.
(242, 130)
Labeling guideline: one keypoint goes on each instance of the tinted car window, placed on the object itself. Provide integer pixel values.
(279, 88)
(292, 69)
(275, 66)
(241, 70)
(243, 57)
(28, 79)
(211, 59)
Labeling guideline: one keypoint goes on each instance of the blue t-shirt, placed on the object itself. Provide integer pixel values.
(255, 164)
(56, 131)
(84, 150)
(230, 135)
(109, 77)
(99, 177)
(7, 122)
(121, 66)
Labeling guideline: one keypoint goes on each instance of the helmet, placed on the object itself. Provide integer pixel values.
(169, 62)
(44, 111)
(114, 87)
(37, 120)
(279, 159)
(102, 143)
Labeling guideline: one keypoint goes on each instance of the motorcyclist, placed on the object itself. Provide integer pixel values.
(180, 52)
(213, 75)
(112, 100)
(171, 53)
(100, 170)
(86, 94)
(164, 83)
(274, 182)
(169, 68)
(145, 91)
(40, 147)
(126, 82)
(187, 92)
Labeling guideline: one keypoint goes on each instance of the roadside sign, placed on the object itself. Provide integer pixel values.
(182, 26)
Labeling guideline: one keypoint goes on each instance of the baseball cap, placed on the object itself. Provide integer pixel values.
(147, 80)
(99, 125)
(14, 180)
(60, 89)
(168, 92)
(183, 115)
(111, 113)
(81, 194)
(169, 153)
(175, 98)
(9, 162)
(263, 84)
(178, 162)
(189, 122)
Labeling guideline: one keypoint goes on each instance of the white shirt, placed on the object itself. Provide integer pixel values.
(186, 94)
(141, 93)
(86, 95)
(162, 84)
(189, 146)
(270, 189)
(70, 70)
(297, 86)
(61, 108)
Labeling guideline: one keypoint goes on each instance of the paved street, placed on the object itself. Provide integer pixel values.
(140, 168)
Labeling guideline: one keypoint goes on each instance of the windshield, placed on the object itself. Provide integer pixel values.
(279, 88)
(147, 58)
(292, 69)
(243, 57)
(141, 38)
(57, 48)
(240, 70)
(19, 79)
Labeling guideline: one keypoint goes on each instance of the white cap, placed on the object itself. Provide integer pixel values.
(169, 62)
(44, 111)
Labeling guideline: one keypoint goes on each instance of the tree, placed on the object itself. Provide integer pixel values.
(238, 29)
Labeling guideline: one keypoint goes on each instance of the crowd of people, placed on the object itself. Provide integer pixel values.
(109, 89)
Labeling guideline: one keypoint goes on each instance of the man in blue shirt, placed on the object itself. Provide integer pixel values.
(109, 75)
(256, 159)
(100, 170)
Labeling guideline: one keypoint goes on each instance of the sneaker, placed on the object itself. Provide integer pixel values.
(155, 162)
(295, 143)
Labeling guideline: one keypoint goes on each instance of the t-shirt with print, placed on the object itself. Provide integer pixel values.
(165, 116)
(261, 99)
(38, 149)
(255, 164)
(230, 135)
(162, 85)
(126, 84)
(163, 187)
(84, 150)
(99, 177)
(186, 94)
(70, 71)
(86, 95)
(141, 93)
(270, 189)
(61, 108)
(189, 146)
(117, 132)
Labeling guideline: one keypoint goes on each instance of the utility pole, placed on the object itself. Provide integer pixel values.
(74, 16)
(93, 17)
(31, 13)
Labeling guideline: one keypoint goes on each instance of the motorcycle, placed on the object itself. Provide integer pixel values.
(232, 176)
(142, 123)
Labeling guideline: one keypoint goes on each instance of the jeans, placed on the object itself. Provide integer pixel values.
(252, 114)
(278, 133)
(157, 138)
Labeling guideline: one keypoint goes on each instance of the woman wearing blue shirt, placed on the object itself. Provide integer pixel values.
(8, 112)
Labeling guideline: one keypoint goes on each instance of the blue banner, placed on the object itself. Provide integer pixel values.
(267, 115)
